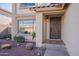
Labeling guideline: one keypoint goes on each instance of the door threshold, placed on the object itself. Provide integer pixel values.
(54, 39)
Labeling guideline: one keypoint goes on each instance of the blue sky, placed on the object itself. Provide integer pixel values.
(6, 6)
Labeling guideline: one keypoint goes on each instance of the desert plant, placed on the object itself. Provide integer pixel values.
(19, 39)
(8, 36)
(33, 35)
(4, 36)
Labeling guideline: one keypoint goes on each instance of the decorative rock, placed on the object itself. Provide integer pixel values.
(7, 39)
(8, 46)
(18, 44)
(29, 46)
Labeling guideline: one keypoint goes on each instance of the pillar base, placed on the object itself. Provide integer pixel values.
(38, 44)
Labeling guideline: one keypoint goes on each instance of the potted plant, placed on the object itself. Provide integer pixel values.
(19, 39)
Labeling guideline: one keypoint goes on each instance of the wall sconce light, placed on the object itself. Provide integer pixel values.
(46, 21)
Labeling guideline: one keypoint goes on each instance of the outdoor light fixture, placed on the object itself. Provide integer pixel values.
(46, 19)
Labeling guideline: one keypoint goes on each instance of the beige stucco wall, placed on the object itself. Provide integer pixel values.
(70, 29)
(48, 29)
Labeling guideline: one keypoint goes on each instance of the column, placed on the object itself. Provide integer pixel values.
(14, 21)
(39, 25)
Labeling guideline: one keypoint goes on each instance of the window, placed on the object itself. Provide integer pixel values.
(27, 4)
(26, 27)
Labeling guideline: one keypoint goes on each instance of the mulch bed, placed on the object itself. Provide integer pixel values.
(20, 50)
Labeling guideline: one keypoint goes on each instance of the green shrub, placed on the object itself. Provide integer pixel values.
(4, 36)
(8, 36)
(19, 39)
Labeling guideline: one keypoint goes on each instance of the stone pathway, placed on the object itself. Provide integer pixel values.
(55, 50)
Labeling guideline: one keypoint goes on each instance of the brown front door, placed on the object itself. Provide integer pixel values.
(55, 28)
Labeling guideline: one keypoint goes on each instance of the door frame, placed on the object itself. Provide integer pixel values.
(49, 29)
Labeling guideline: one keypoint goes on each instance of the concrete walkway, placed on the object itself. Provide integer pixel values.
(55, 50)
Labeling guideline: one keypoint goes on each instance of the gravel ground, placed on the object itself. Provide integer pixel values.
(20, 50)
